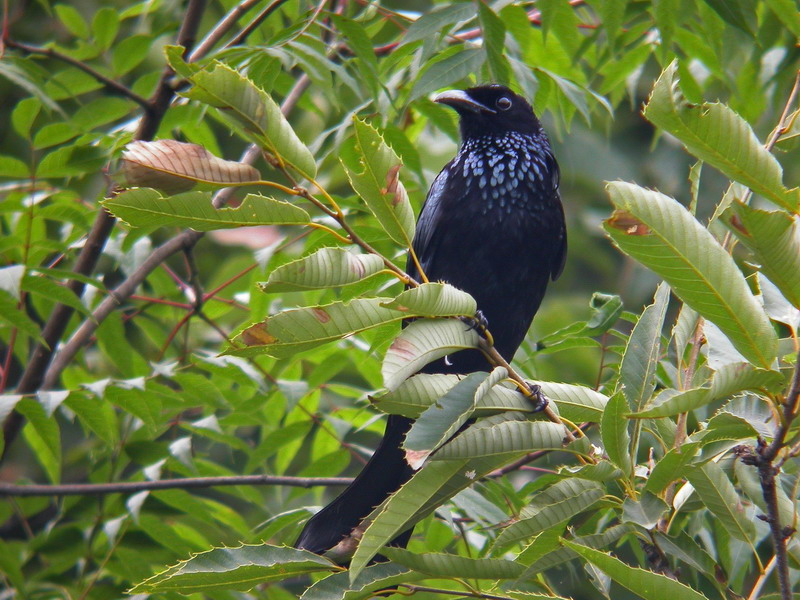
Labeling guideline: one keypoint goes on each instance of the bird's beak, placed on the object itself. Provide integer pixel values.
(459, 99)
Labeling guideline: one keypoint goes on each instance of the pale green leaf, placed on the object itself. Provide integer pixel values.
(720, 497)
(648, 585)
(421, 342)
(432, 22)
(439, 422)
(646, 511)
(238, 569)
(252, 108)
(575, 402)
(435, 300)
(372, 579)
(671, 467)
(452, 68)
(774, 239)
(615, 434)
(326, 268)
(661, 234)
(373, 172)
(550, 507)
(145, 207)
(451, 565)
(300, 329)
(715, 134)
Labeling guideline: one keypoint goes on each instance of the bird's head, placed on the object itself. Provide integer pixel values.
(490, 110)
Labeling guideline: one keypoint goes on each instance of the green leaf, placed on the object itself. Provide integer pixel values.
(49, 289)
(399, 509)
(43, 436)
(502, 435)
(72, 20)
(326, 268)
(239, 569)
(9, 313)
(373, 172)
(451, 565)
(13, 168)
(172, 167)
(728, 380)
(671, 467)
(299, 329)
(786, 11)
(575, 402)
(720, 497)
(434, 300)
(442, 73)
(419, 392)
(733, 11)
(421, 342)
(638, 369)
(251, 107)
(646, 511)
(648, 585)
(439, 422)
(145, 207)
(129, 52)
(661, 234)
(105, 26)
(72, 161)
(24, 114)
(53, 134)
(774, 239)
(371, 580)
(494, 35)
(715, 134)
(432, 22)
(615, 435)
(550, 507)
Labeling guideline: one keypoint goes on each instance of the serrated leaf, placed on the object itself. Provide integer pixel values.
(145, 207)
(720, 497)
(774, 239)
(715, 134)
(373, 172)
(615, 434)
(435, 300)
(661, 234)
(326, 268)
(638, 368)
(550, 507)
(646, 511)
(419, 392)
(238, 569)
(671, 467)
(451, 565)
(730, 379)
(439, 422)
(172, 167)
(575, 402)
(648, 585)
(375, 577)
(502, 435)
(421, 342)
(252, 108)
(300, 329)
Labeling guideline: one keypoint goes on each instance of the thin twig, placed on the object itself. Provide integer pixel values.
(225, 25)
(129, 487)
(242, 36)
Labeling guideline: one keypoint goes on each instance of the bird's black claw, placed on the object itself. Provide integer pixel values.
(478, 322)
(538, 400)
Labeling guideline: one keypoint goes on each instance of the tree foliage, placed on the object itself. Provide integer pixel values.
(205, 216)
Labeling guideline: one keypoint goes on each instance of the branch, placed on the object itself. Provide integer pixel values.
(127, 487)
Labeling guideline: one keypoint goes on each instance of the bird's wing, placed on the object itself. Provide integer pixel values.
(560, 256)
(424, 239)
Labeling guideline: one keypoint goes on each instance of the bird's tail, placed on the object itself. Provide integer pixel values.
(385, 472)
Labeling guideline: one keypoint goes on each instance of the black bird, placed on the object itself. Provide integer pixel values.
(492, 225)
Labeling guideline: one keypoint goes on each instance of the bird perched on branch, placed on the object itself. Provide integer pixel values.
(493, 226)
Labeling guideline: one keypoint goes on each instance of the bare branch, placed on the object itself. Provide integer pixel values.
(129, 487)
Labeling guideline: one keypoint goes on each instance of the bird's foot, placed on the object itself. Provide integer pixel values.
(479, 323)
(537, 398)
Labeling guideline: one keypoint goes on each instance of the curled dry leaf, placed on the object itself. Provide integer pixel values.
(174, 167)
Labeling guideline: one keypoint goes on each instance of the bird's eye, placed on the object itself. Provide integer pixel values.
(503, 103)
